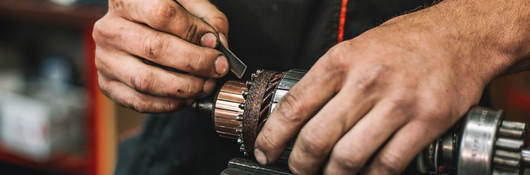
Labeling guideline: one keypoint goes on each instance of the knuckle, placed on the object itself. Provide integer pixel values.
(220, 22)
(293, 167)
(336, 56)
(437, 112)
(139, 106)
(104, 31)
(162, 14)
(154, 45)
(98, 31)
(389, 163)
(337, 50)
(290, 109)
(140, 103)
(401, 106)
(189, 89)
(337, 62)
(370, 79)
(169, 106)
(347, 158)
(143, 82)
(197, 62)
(266, 141)
(312, 144)
(103, 87)
(115, 4)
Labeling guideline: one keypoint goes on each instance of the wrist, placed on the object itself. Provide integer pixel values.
(497, 28)
(489, 37)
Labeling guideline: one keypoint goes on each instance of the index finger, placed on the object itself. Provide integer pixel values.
(164, 15)
(294, 109)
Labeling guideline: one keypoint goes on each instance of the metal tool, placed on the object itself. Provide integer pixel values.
(482, 143)
(237, 66)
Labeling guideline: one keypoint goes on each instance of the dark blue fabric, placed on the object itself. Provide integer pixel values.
(183, 142)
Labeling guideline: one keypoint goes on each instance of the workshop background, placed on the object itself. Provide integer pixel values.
(54, 119)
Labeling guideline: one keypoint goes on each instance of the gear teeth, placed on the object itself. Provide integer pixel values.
(507, 156)
(248, 84)
(242, 148)
(245, 94)
(242, 106)
(510, 144)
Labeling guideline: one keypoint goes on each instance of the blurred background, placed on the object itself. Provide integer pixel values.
(53, 118)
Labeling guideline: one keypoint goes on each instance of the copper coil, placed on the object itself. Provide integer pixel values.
(227, 111)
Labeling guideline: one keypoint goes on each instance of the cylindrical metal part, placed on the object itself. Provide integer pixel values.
(477, 143)
(511, 133)
(513, 125)
(482, 144)
(509, 143)
(227, 112)
(203, 105)
(525, 155)
(508, 154)
(448, 148)
(506, 162)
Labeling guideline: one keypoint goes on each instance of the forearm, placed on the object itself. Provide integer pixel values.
(485, 34)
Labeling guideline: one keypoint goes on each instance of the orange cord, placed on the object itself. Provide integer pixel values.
(342, 20)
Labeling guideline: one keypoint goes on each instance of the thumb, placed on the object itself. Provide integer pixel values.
(206, 11)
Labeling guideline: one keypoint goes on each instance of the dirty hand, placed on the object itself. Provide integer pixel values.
(177, 34)
(372, 103)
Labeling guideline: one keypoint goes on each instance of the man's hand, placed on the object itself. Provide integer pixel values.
(372, 103)
(177, 34)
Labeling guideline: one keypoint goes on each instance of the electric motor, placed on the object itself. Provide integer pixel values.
(482, 143)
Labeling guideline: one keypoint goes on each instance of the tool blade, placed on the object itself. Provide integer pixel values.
(237, 66)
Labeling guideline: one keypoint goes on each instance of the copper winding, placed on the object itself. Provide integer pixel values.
(240, 109)
(227, 111)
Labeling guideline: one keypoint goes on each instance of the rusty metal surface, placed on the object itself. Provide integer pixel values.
(253, 107)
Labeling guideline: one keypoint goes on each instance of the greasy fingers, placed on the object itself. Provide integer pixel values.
(206, 11)
(135, 100)
(159, 47)
(313, 143)
(148, 79)
(402, 149)
(164, 15)
(136, 33)
(294, 109)
(369, 97)
(358, 144)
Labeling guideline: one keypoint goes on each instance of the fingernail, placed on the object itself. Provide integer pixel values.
(209, 40)
(209, 86)
(260, 156)
(221, 65)
(222, 38)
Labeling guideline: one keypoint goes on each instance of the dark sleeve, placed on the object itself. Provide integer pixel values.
(175, 143)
